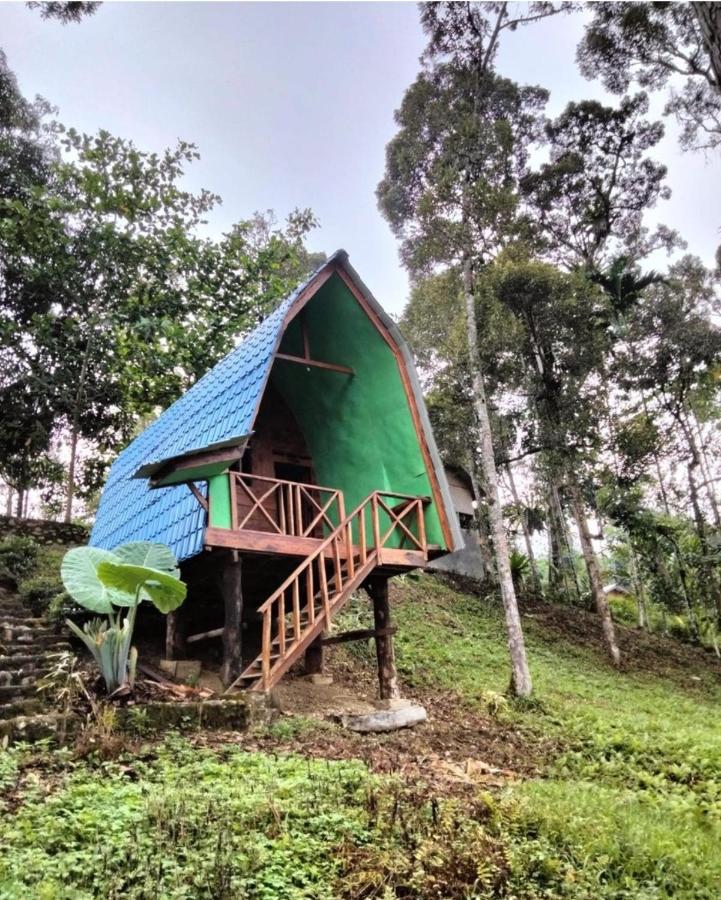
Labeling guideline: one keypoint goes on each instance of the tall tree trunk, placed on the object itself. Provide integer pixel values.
(594, 572)
(484, 543)
(74, 431)
(535, 574)
(695, 425)
(70, 490)
(565, 573)
(657, 462)
(520, 674)
(683, 578)
(638, 587)
(9, 501)
(19, 503)
(709, 18)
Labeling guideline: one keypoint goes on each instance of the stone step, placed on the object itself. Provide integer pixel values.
(20, 619)
(30, 655)
(40, 642)
(29, 727)
(12, 609)
(24, 707)
(13, 691)
(22, 674)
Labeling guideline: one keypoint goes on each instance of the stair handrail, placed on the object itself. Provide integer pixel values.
(321, 548)
(343, 531)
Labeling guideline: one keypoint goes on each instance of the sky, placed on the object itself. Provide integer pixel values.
(291, 105)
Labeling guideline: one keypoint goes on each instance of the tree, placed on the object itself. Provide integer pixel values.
(564, 342)
(450, 195)
(111, 303)
(656, 44)
(65, 13)
(670, 357)
(589, 201)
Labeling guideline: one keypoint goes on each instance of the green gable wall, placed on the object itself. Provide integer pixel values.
(358, 429)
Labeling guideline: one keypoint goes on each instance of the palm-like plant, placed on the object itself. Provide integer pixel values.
(109, 582)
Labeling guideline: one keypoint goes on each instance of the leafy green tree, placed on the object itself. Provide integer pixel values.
(563, 343)
(67, 12)
(589, 201)
(450, 193)
(113, 303)
(670, 357)
(654, 44)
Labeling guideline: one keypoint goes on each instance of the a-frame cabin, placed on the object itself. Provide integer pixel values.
(298, 469)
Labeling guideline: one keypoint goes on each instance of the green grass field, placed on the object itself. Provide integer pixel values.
(624, 801)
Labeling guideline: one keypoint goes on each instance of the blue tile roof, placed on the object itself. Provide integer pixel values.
(219, 407)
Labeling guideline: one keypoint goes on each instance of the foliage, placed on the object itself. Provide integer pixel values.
(107, 582)
(653, 44)
(104, 271)
(65, 12)
(40, 591)
(18, 558)
(589, 201)
(627, 805)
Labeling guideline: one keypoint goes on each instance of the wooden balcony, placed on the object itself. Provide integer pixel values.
(273, 516)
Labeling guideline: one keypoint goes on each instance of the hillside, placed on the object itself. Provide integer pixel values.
(606, 785)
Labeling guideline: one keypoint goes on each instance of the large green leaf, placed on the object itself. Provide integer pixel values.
(149, 554)
(79, 573)
(165, 591)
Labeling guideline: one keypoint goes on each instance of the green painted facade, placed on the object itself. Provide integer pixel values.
(219, 501)
(358, 429)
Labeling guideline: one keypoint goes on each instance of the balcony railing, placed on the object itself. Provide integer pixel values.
(283, 507)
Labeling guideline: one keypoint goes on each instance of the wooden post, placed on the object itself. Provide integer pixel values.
(315, 657)
(175, 646)
(387, 676)
(233, 601)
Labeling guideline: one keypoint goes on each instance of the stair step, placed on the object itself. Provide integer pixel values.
(19, 674)
(25, 707)
(11, 691)
(20, 619)
(30, 727)
(37, 642)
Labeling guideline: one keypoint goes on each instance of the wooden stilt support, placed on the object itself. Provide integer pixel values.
(175, 646)
(387, 676)
(233, 601)
(315, 657)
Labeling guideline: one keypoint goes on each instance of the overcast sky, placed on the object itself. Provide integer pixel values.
(291, 105)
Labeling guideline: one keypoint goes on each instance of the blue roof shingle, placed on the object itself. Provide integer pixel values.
(218, 407)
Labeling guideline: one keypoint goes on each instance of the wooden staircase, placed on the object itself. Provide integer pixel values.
(306, 602)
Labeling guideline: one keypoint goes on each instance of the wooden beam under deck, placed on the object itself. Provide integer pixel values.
(287, 545)
(263, 542)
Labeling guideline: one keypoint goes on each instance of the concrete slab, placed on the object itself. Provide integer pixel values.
(386, 719)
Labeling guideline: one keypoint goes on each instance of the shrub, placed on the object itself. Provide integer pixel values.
(38, 592)
(63, 607)
(108, 583)
(18, 558)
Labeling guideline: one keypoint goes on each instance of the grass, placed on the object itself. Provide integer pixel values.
(627, 804)
(633, 799)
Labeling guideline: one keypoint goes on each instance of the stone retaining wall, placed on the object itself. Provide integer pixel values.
(44, 531)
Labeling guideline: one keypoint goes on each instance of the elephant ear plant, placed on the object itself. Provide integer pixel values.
(114, 584)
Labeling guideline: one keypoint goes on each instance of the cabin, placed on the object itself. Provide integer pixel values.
(299, 469)
(467, 560)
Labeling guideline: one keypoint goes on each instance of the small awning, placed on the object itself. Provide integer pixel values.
(195, 465)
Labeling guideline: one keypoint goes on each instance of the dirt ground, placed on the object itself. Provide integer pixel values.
(455, 748)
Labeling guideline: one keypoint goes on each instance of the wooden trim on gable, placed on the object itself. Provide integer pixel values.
(410, 396)
(308, 291)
